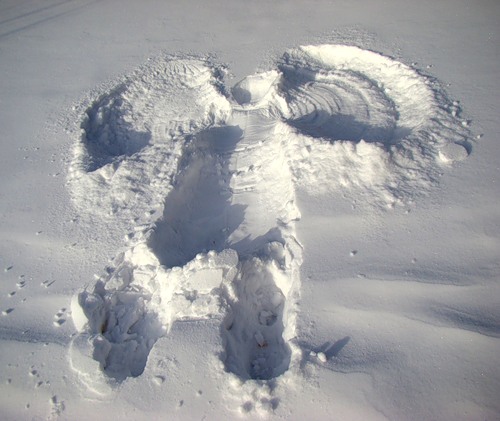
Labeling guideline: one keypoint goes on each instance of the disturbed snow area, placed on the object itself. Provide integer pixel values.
(216, 177)
(311, 242)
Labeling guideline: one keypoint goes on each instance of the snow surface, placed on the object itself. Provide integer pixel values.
(235, 210)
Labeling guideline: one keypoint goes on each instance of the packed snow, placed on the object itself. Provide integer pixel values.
(284, 239)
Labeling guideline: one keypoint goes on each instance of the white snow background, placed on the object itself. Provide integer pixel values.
(320, 240)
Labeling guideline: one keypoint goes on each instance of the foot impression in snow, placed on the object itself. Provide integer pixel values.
(211, 179)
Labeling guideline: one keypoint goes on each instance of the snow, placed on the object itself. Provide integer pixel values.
(280, 210)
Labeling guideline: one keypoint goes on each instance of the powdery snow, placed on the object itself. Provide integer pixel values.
(332, 118)
(271, 253)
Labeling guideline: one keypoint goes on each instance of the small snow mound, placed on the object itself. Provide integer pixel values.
(86, 307)
(453, 152)
(255, 88)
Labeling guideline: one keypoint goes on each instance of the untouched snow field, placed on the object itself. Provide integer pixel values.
(241, 210)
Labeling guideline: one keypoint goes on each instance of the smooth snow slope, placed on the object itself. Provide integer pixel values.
(318, 241)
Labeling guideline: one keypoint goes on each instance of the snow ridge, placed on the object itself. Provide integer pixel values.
(368, 124)
(223, 175)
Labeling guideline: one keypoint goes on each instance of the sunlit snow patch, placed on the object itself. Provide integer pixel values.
(132, 136)
(366, 121)
(214, 180)
(453, 152)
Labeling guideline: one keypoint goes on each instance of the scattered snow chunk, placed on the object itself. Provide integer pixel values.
(87, 307)
(452, 152)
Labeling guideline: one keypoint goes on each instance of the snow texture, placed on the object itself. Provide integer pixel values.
(288, 211)
(224, 170)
